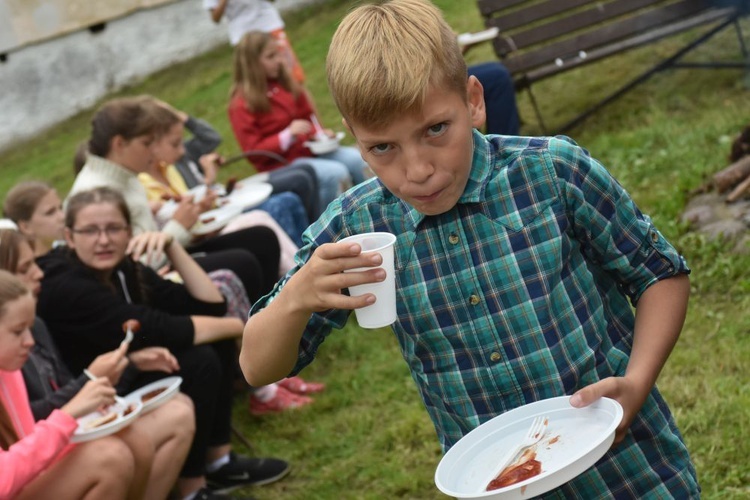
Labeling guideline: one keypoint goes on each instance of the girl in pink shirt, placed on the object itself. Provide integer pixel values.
(37, 458)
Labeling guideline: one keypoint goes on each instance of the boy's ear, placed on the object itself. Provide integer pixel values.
(475, 100)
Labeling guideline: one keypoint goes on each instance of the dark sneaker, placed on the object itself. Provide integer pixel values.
(206, 494)
(244, 471)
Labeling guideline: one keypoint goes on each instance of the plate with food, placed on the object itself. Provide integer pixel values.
(155, 394)
(570, 441)
(213, 220)
(99, 424)
(247, 195)
(321, 146)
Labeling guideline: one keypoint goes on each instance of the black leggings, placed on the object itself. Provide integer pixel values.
(207, 373)
(251, 253)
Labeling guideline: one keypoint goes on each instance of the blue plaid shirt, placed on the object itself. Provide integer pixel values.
(521, 292)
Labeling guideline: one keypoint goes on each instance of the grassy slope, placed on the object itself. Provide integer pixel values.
(368, 435)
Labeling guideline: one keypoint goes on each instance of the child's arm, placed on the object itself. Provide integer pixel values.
(660, 314)
(272, 335)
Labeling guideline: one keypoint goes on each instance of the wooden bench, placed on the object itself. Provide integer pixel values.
(541, 38)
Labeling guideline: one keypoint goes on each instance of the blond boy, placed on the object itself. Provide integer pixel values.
(517, 260)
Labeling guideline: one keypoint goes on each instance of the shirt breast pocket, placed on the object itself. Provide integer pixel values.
(517, 199)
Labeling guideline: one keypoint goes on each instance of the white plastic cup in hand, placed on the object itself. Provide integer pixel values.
(383, 311)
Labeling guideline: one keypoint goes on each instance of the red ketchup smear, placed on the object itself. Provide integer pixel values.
(515, 474)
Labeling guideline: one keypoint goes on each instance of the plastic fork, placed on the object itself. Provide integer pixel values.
(91, 376)
(534, 435)
(128, 337)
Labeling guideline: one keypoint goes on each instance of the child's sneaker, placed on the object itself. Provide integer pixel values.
(300, 386)
(283, 400)
(245, 471)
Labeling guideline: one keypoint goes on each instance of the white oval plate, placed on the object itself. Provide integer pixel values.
(248, 195)
(199, 191)
(171, 385)
(82, 434)
(219, 217)
(325, 146)
(575, 439)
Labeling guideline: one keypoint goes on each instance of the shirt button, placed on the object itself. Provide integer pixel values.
(495, 356)
(474, 300)
(453, 239)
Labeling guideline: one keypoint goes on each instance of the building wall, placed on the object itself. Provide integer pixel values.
(44, 83)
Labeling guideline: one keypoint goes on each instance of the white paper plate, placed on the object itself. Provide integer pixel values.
(199, 191)
(248, 195)
(259, 177)
(171, 386)
(575, 439)
(218, 218)
(325, 146)
(82, 434)
(479, 36)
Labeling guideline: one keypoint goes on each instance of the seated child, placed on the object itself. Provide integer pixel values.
(37, 458)
(517, 260)
(269, 111)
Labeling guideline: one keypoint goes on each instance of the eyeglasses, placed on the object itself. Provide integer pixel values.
(95, 232)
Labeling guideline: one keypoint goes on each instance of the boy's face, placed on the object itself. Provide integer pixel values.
(425, 158)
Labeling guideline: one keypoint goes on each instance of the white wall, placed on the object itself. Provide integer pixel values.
(43, 84)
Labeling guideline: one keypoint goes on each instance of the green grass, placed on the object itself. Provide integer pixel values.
(368, 435)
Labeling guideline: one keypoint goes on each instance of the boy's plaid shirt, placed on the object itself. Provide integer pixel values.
(520, 293)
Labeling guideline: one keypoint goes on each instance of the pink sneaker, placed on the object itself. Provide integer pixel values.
(300, 386)
(283, 400)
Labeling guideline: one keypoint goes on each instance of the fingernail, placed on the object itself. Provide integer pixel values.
(576, 400)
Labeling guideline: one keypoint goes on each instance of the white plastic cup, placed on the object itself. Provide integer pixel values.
(383, 311)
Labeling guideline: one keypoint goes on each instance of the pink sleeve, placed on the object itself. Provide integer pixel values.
(35, 452)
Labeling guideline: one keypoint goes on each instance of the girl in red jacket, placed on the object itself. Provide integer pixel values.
(271, 112)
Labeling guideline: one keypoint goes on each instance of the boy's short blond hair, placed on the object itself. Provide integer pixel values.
(384, 57)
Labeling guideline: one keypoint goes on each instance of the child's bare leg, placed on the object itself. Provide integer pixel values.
(170, 428)
(143, 450)
(100, 469)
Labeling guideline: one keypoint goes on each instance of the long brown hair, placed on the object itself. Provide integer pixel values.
(102, 194)
(10, 243)
(128, 117)
(23, 198)
(249, 78)
(11, 289)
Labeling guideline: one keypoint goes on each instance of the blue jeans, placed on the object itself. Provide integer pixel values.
(287, 210)
(342, 167)
(499, 97)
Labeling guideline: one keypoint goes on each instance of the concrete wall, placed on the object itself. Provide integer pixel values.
(42, 84)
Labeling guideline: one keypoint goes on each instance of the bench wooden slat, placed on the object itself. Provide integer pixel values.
(602, 14)
(646, 38)
(593, 38)
(488, 7)
(540, 11)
